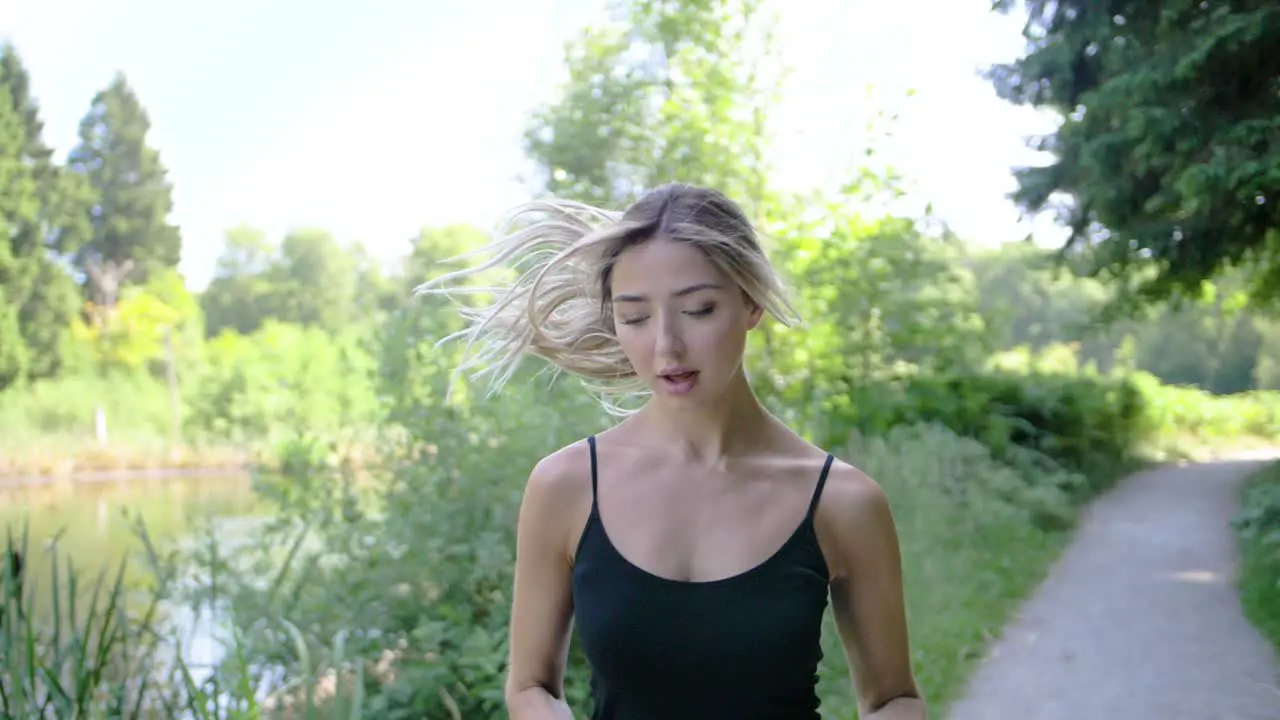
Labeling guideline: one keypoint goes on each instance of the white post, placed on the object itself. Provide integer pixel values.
(100, 425)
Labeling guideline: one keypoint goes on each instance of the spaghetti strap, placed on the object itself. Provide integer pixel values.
(817, 491)
(591, 442)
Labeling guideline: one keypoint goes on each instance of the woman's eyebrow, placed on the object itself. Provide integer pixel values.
(633, 297)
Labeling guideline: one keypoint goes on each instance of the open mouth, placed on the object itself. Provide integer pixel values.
(680, 382)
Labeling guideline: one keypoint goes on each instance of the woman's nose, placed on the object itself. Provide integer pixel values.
(670, 343)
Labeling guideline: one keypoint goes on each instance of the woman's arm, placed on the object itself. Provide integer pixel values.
(867, 595)
(542, 603)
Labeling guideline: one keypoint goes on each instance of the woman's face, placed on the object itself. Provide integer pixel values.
(681, 321)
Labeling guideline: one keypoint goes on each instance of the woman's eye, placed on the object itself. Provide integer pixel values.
(633, 321)
(702, 312)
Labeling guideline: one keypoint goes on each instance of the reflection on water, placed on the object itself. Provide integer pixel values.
(95, 533)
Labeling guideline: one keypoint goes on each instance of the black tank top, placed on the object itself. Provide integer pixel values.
(745, 647)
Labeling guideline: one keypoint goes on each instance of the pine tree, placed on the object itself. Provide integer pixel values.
(38, 219)
(131, 233)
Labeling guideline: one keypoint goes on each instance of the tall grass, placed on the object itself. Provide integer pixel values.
(72, 655)
(48, 428)
(977, 536)
(102, 649)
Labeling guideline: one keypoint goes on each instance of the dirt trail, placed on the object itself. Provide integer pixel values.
(1140, 617)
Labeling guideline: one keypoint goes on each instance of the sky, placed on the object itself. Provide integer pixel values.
(375, 122)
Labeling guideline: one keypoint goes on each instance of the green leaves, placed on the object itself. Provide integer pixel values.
(37, 215)
(678, 92)
(132, 197)
(1169, 150)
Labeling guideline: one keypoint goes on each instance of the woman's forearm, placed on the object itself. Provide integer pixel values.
(536, 703)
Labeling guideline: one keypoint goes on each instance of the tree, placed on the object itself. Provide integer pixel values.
(1168, 155)
(316, 281)
(240, 296)
(677, 92)
(309, 279)
(147, 322)
(132, 236)
(38, 218)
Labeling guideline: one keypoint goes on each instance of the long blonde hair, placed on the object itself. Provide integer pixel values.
(559, 307)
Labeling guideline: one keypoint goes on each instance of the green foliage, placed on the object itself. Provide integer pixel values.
(430, 597)
(1258, 534)
(873, 293)
(146, 323)
(82, 661)
(309, 279)
(1211, 340)
(132, 197)
(51, 417)
(383, 588)
(280, 381)
(677, 91)
(1168, 147)
(1266, 369)
(1072, 420)
(37, 298)
(1194, 413)
(107, 651)
(967, 523)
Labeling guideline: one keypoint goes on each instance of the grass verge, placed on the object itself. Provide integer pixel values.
(977, 538)
(1258, 536)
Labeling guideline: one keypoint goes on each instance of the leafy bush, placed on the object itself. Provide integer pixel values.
(416, 558)
(1037, 422)
(282, 380)
(1191, 412)
(62, 409)
(420, 567)
(1258, 532)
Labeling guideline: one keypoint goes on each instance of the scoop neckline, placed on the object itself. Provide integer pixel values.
(598, 520)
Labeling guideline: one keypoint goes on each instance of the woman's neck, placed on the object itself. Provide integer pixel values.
(707, 434)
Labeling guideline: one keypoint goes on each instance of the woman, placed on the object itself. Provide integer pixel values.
(696, 543)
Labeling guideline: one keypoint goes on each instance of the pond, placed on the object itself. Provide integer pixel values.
(92, 519)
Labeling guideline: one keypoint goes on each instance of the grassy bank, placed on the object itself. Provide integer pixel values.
(976, 536)
(50, 429)
(234, 405)
(1258, 534)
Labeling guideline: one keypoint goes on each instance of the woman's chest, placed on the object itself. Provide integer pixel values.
(699, 533)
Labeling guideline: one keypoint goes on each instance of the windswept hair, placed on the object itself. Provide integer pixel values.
(559, 307)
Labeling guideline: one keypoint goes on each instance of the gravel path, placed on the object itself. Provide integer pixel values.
(1140, 618)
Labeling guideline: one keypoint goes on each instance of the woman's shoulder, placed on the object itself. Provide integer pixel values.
(557, 497)
(563, 473)
(853, 516)
(850, 491)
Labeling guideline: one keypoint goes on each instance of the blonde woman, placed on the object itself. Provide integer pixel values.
(695, 545)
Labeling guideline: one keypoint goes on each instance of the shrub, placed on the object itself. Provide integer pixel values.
(1258, 533)
(416, 559)
(1038, 422)
(421, 570)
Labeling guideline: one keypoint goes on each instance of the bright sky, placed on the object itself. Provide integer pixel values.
(373, 123)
